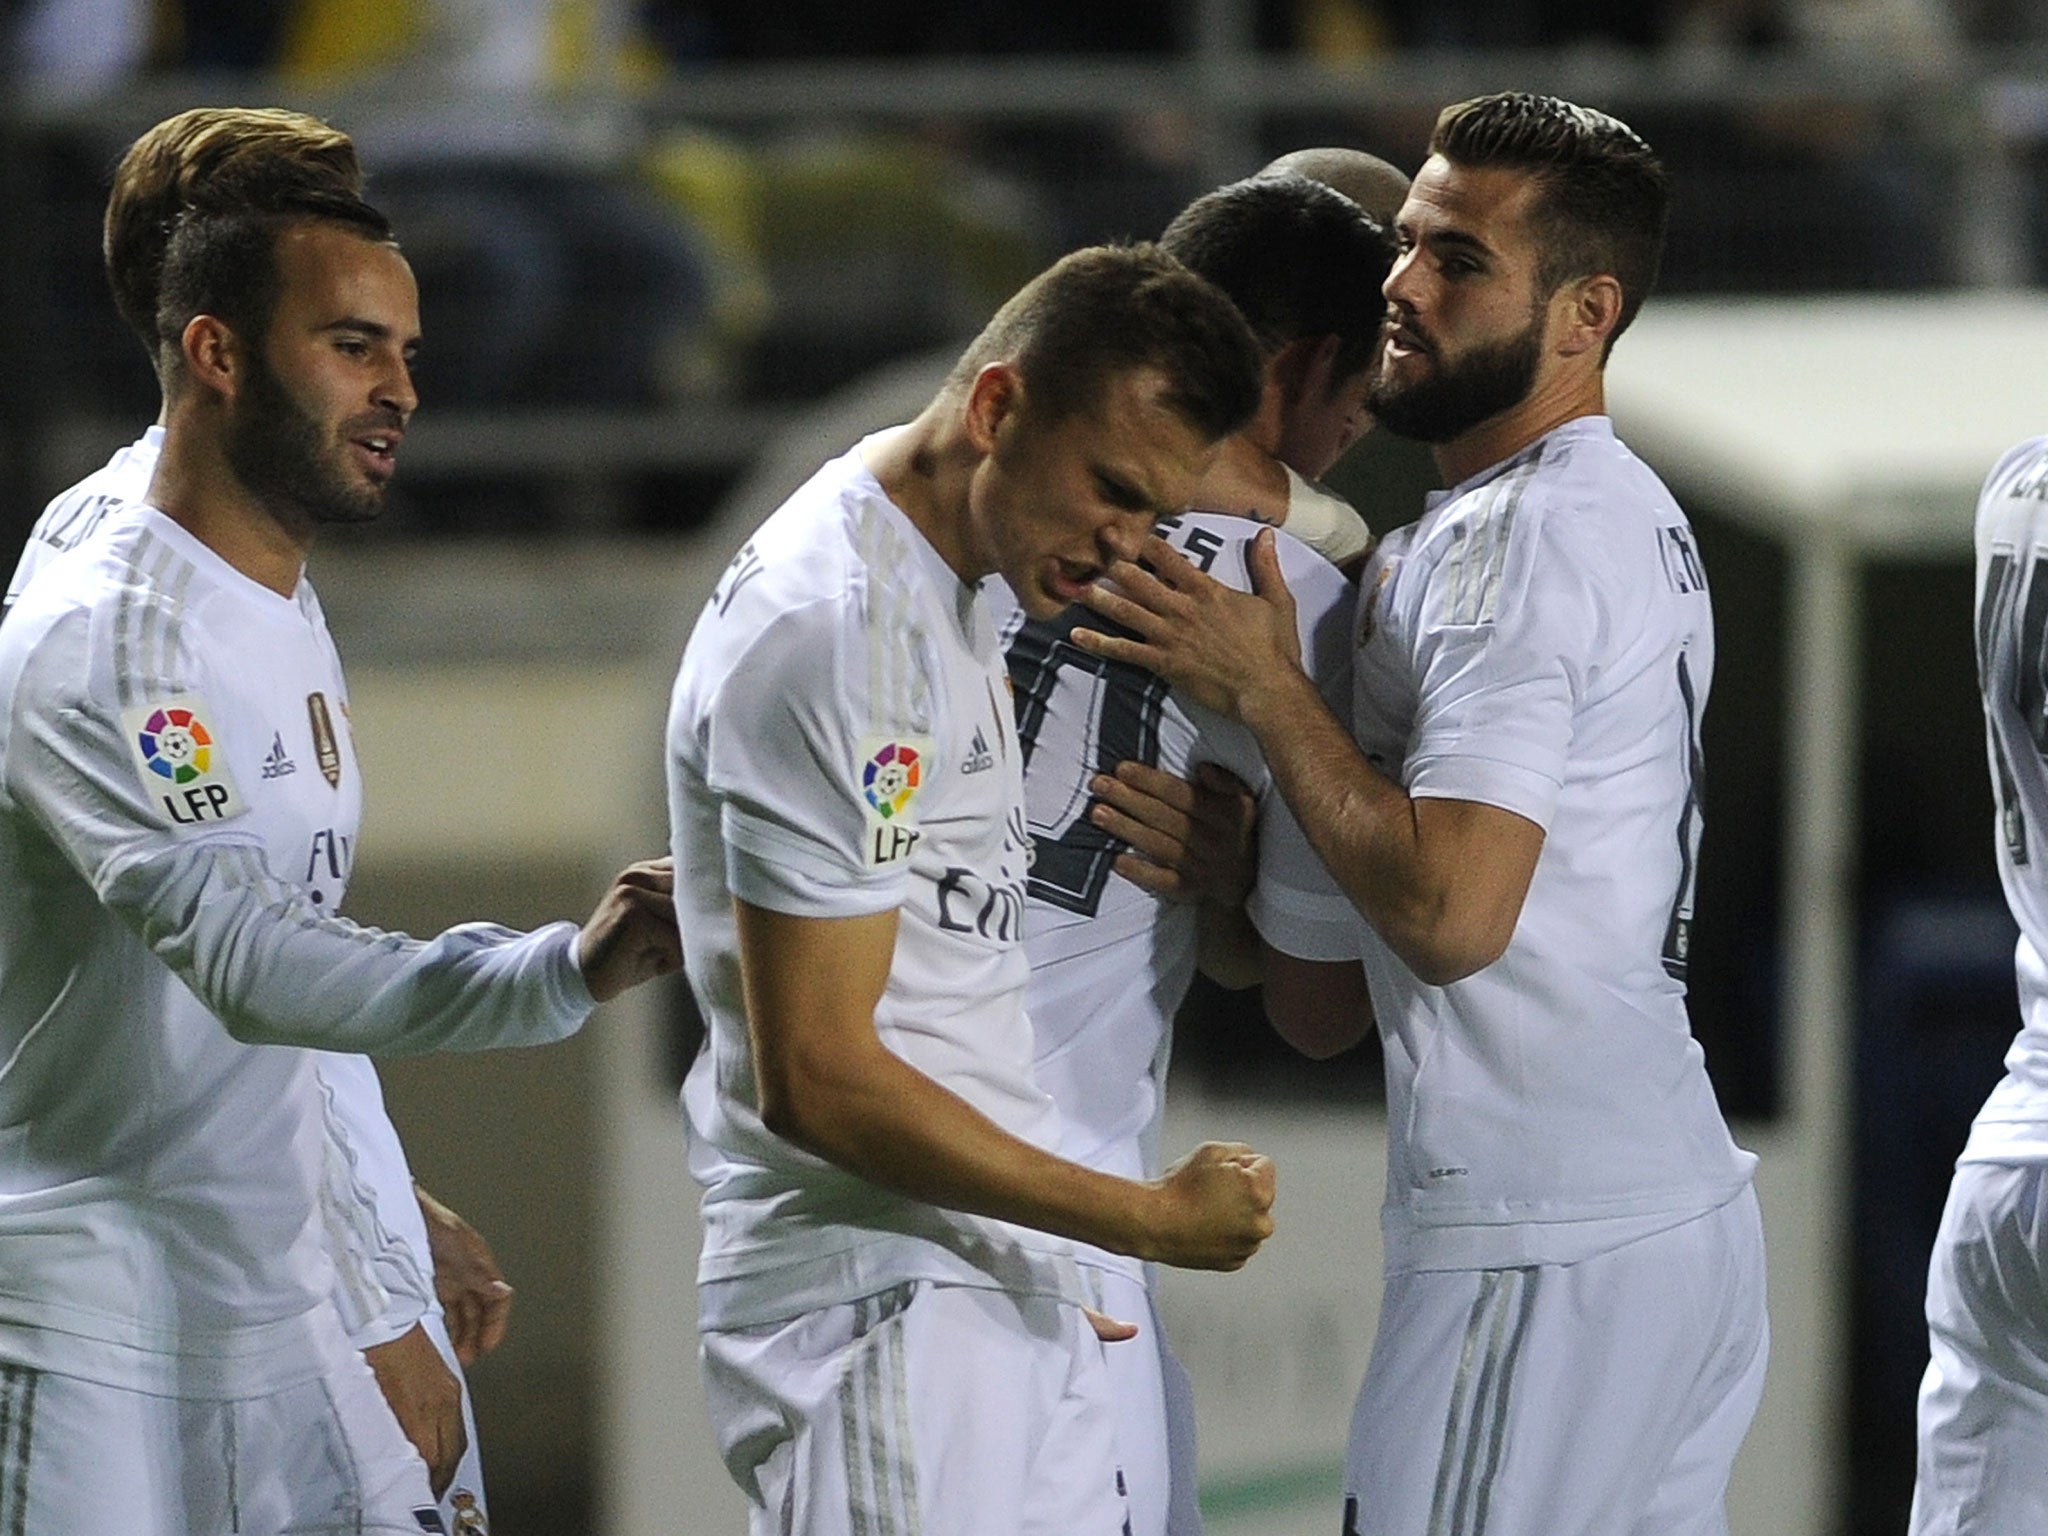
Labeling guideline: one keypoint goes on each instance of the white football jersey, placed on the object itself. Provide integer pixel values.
(2012, 671)
(1110, 962)
(73, 515)
(1541, 640)
(375, 1233)
(178, 806)
(840, 743)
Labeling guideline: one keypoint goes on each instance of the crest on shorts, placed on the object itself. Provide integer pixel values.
(181, 765)
(469, 1516)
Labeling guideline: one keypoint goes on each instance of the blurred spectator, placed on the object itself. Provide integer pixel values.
(549, 273)
(709, 30)
(844, 250)
(76, 49)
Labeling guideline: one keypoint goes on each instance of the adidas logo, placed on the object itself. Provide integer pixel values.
(979, 759)
(275, 763)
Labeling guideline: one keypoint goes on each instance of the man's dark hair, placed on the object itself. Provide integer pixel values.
(1298, 259)
(1602, 193)
(211, 159)
(1107, 309)
(225, 263)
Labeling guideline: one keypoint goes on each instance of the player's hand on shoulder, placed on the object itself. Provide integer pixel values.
(632, 936)
(1217, 1205)
(1190, 840)
(1215, 643)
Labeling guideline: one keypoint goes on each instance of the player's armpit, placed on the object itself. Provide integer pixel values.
(1320, 1007)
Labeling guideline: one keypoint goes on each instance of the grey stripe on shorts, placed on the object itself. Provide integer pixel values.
(874, 1412)
(17, 1439)
(1475, 1429)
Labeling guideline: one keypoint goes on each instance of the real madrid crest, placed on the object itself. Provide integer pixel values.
(326, 750)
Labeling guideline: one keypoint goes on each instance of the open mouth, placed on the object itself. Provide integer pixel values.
(377, 452)
(1402, 342)
(1070, 580)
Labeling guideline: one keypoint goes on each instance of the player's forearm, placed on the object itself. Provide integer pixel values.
(278, 972)
(874, 1115)
(1366, 829)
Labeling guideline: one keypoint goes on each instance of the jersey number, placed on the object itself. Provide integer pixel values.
(1678, 933)
(1070, 870)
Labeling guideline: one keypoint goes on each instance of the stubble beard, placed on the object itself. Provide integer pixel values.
(1455, 398)
(283, 456)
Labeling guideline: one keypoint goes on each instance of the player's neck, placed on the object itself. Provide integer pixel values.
(1245, 479)
(1566, 396)
(196, 489)
(924, 468)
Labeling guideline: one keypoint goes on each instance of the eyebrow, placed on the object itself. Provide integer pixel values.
(1147, 498)
(376, 330)
(1457, 239)
(1121, 485)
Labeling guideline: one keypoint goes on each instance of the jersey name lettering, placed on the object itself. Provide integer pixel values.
(970, 904)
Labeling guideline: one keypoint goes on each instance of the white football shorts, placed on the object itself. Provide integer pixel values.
(944, 1410)
(1155, 1414)
(1602, 1398)
(1983, 1463)
(326, 1457)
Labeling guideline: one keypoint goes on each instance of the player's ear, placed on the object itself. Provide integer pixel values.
(1301, 369)
(995, 396)
(212, 354)
(1589, 308)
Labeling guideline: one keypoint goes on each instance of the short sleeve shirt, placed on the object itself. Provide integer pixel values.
(841, 742)
(1110, 962)
(1541, 641)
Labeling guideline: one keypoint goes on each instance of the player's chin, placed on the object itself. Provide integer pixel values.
(365, 504)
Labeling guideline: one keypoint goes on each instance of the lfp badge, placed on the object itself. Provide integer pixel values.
(890, 777)
(176, 744)
(181, 766)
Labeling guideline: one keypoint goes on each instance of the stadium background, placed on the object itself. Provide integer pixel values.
(674, 253)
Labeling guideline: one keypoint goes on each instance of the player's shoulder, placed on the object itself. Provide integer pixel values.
(73, 514)
(837, 537)
(137, 583)
(2021, 474)
(1579, 498)
(1220, 543)
(831, 568)
(1588, 479)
